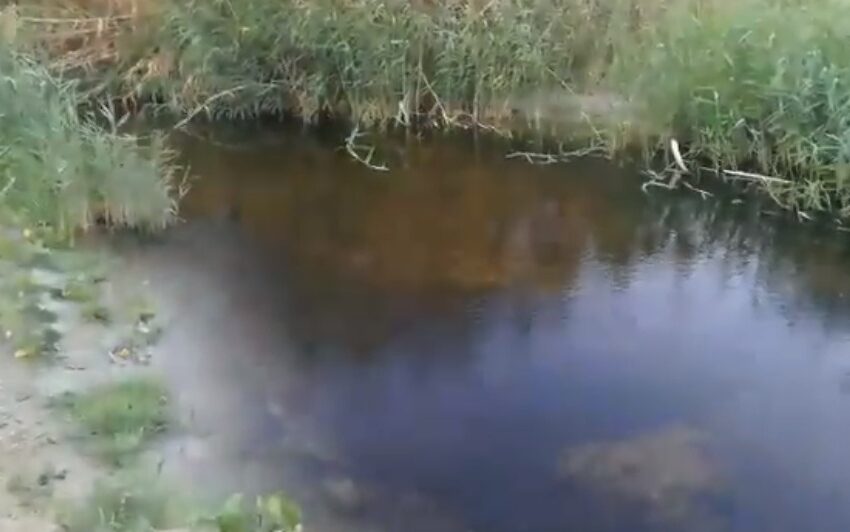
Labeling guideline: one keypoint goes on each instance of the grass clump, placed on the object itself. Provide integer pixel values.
(132, 504)
(126, 505)
(758, 85)
(271, 513)
(120, 418)
(64, 170)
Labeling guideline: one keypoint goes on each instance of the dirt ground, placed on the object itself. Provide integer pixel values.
(42, 469)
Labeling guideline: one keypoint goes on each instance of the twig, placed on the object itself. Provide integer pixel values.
(351, 147)
(207, 102)
(184, 185)
(437, 102)
(7, 186)
(757, 177)
(677, 156)
(534, 158)
(403, 115)
(656, 183)
(39, 20)
(552, 158)
(703, 193)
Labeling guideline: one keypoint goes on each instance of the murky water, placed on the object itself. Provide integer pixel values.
(469, 343)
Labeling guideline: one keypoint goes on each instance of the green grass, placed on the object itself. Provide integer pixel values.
(762, 85)
(130, 503)
(366, 60)
(26, 327)
(757, 85)
(65, 171)
(118, 419)
(126, 505)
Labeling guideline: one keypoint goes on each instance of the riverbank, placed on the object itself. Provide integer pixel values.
(84, 414)
(80, 411)
(754, 92)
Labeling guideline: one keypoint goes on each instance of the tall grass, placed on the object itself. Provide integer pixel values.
(376, 62)
(63, 169)
(758, 85)
(762, 85)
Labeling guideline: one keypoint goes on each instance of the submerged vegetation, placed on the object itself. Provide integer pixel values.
(755, 91)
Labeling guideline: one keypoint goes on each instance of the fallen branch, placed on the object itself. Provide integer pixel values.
(534, 158)
(351, 147)
(703, 193)
(544, 158)
(755, 177)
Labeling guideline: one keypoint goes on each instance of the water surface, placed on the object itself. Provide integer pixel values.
(476, 344)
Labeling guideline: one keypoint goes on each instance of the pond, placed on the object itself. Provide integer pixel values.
(472, 343)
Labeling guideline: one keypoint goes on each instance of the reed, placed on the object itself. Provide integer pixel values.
(66, 170)
(755, 90)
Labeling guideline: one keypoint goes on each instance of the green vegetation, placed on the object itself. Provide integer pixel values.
(756, 92)
(272, 513)
(126, 505)
(62, 169)
(119, 418)
(133, 504)
(26, 326)
(759, 86)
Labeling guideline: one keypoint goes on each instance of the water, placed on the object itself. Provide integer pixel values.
(474, 344)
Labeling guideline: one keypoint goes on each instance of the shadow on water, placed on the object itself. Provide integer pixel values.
(470, 343)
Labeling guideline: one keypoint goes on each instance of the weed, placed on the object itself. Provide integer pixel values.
(271, 513)
(139, 504)
(120, 417)
(27, 327)
(126, 505)
(79, 289)
(60, 169)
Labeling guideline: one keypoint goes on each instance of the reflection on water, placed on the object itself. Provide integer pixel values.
(469, 343)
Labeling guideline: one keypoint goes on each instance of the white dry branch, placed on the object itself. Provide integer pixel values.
(353, 150)
(677, 156)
